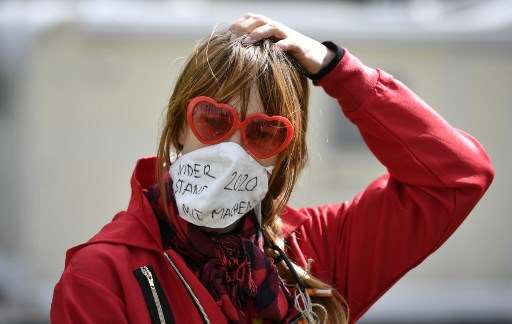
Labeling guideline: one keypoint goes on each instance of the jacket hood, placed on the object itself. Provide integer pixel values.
(138, 226)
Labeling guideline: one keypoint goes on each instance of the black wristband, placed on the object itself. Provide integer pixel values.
(339, 52)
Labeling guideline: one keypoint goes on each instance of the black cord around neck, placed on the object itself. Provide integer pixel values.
(284, 257)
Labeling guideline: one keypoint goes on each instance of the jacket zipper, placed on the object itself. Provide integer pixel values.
(149, 277)
(156, 301)
(189, 289)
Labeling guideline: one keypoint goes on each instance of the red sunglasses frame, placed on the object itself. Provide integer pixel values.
(237, 124)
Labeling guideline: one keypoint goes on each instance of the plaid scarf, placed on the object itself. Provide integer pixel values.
(233, 266)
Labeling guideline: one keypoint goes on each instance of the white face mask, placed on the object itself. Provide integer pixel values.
(216, 185)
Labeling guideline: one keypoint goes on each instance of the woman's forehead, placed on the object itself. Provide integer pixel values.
(253, 106)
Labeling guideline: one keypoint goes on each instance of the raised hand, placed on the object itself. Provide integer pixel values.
(310, 53)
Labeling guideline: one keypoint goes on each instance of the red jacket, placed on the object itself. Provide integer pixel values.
(436, 175)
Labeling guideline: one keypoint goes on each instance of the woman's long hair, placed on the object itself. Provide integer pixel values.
(223, 68)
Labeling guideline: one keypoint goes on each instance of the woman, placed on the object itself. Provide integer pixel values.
(208, 236)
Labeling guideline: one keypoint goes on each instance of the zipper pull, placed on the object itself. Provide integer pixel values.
(148, 275)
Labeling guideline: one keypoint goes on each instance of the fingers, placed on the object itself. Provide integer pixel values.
(256, 27)
(247, 23)
(286, 45)
(265, 31)
(245, 26)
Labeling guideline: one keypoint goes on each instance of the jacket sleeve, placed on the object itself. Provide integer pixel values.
(436, 174)
(78, 298)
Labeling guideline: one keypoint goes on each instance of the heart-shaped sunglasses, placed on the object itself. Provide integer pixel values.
(262, 135)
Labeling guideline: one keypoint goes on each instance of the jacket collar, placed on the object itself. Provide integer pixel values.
(138, 226)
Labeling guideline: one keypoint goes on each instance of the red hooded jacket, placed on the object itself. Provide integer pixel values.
(436, 174)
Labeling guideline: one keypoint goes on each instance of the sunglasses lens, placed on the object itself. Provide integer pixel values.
(265, 137)
(211, 122)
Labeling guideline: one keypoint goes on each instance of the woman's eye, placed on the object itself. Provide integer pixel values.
(266, 134)
(211, 121)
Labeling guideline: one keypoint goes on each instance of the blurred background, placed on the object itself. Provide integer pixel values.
(83, 85)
